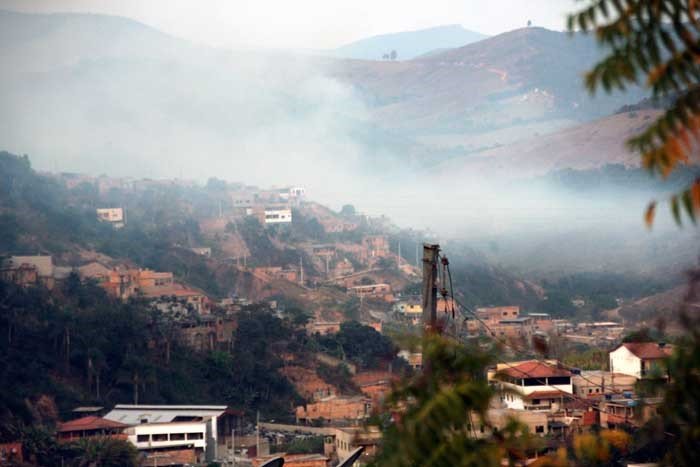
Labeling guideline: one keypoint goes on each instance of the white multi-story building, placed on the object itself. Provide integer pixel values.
(167, 427)
(533, 385)
(114, 216)
(294, 193)
(169, 435)
(275, 215)
(640, 359)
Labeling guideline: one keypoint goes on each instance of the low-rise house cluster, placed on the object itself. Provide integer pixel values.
(190, 308)
(268, 206)
(410, 309)
(323, 327)
(207, 333)
(33, 271)
(553, 399)
(507, 322)
(598, 333)
(335, 409)
(375, 384)
(380, 291)
(160, 287)
(329, 259)
(374, 247)
(290, 273)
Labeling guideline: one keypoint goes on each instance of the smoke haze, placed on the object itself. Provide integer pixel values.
(110, 96)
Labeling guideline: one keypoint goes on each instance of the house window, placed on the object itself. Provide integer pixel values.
(195, 436)
(160, 437)
(535, 401)
(177, 436)
(143, 438)
(539, 429)
(536, 382)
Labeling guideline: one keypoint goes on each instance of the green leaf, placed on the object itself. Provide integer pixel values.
(675, 209)
(688, 204)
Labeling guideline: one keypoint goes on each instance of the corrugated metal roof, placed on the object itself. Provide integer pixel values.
(135, 414)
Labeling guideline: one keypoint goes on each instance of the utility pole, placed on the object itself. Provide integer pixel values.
(257, 434)
(430, 270)
(301, 270)
(233, 447)
(398, 258)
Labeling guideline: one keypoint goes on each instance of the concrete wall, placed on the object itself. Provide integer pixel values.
(625, 362)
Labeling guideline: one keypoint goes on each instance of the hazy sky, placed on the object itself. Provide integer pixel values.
(311, 23)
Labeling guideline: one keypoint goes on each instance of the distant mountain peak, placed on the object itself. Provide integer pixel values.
(409, 44)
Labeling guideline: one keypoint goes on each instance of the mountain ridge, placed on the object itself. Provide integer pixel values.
(408, 44)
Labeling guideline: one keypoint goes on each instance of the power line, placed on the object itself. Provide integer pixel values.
(505, 343)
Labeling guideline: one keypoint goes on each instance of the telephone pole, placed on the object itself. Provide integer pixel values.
(301, 270)
(257, 434)
(430, 270)
(398, 258)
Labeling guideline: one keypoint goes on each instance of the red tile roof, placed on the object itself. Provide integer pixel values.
(534, 369)
(90, 422)
(648, 350)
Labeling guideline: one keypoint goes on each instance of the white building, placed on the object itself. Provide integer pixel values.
(202, 251)
(169, 435)
(533, 385)
(114, 216)
(294, 193)
(275, 215)
(640, 359)
(162, 427)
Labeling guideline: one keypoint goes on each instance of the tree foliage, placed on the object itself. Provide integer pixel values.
(657, 43)
(77, 346)
(440, 410)
(360, 344)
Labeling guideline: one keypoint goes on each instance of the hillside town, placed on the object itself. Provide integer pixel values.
(552, 399)
(349, 233)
